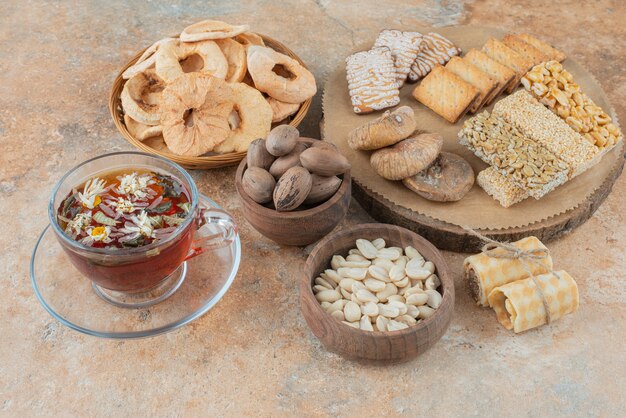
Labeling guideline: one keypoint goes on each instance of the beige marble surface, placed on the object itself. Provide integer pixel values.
(253, 354)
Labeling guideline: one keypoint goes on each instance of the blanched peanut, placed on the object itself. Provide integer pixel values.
(356, 286)
(397, 272)
(319, 288)
(432, 282)
(413, 253)
(417, 299)
(364, 295)
(384, 263)
(365, 324)
(379, 273)
(412, 311)
(338, 315)
(430, 266)
(388, 254)
(434, 299)
(352, 273)
(374, 285)
(325, 283)
(352, 312)
(367, 249)
(403, 283)
(398, 298)
(388, 311)
(337, 261)
(354, 251)
(369, 309)
(406, 319)
(426, 311)
(412, 290)
(325, 305)
(331, 275)
(345, 293)
(337, 305)
(356, 257)
(379, 243)
(356, 264)
(401, 306)
(396, 326)
(327, 296)
(390, 289)
(381, 323)
(347, 284)
(352, 324)
(415, 270)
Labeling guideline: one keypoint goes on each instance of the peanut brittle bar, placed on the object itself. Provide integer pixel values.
(538, 123)
(528, 164)
(554, 86)
(500, 187)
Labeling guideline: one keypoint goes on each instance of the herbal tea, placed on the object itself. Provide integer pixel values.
(125, 209)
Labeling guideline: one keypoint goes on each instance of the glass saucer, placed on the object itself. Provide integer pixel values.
(70, 298)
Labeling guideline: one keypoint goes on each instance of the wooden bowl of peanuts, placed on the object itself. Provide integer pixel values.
(377, 293)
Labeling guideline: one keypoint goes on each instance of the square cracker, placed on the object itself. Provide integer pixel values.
(525, 49)
(503, 75)
(544, 47)
(446, 94)
(506, 56)
(485, 84)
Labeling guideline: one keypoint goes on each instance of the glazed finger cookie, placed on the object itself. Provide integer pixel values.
(435, 50)
(372, 81)
(280, 76)
(404, 47)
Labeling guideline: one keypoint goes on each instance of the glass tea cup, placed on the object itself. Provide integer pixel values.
(142, 276)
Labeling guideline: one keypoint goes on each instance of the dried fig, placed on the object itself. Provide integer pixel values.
(258, 184)
(292, 188)
(447, 179)
(408, 157)
(386, 130)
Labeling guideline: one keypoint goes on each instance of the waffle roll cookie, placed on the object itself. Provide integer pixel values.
(485, 273)
(520, 305)
(529, 165)
(372, 81)
(535, 121)
(500, 187)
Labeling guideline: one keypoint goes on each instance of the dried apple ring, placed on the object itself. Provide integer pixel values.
(249, 38)
(281, 110)
(173, 60)
(194, 113)
(235, 54)
(280, 76)
(141, 131)
(147, 59)
(211, 29)
(251, 119)
(141, 96)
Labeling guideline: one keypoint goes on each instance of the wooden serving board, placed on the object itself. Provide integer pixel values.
(556, 214)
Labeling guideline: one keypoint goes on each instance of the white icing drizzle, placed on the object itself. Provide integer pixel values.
(372, 80)
(404, 47)
(435, 50)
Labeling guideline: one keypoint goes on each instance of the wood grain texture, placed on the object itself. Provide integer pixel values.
(299, 227)
(366, 346)
(451, 237)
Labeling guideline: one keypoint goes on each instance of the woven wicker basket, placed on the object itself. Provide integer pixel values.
(202, 162)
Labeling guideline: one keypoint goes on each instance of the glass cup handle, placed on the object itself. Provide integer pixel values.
(209, 215)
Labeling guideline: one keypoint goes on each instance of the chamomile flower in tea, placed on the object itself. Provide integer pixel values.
(128, 209)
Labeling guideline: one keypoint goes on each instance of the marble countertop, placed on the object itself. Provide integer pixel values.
(253, 354)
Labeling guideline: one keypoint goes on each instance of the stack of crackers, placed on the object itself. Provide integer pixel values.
(469, 83)
(376, 76)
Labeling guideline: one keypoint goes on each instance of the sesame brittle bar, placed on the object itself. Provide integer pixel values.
(554, 86)
(538, 123)
(528, 164)
(500, 187)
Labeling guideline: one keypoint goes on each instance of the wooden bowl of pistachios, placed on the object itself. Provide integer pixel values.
(376, 293)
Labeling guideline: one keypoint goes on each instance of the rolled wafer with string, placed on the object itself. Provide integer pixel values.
(521, 306)
(488, 270)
